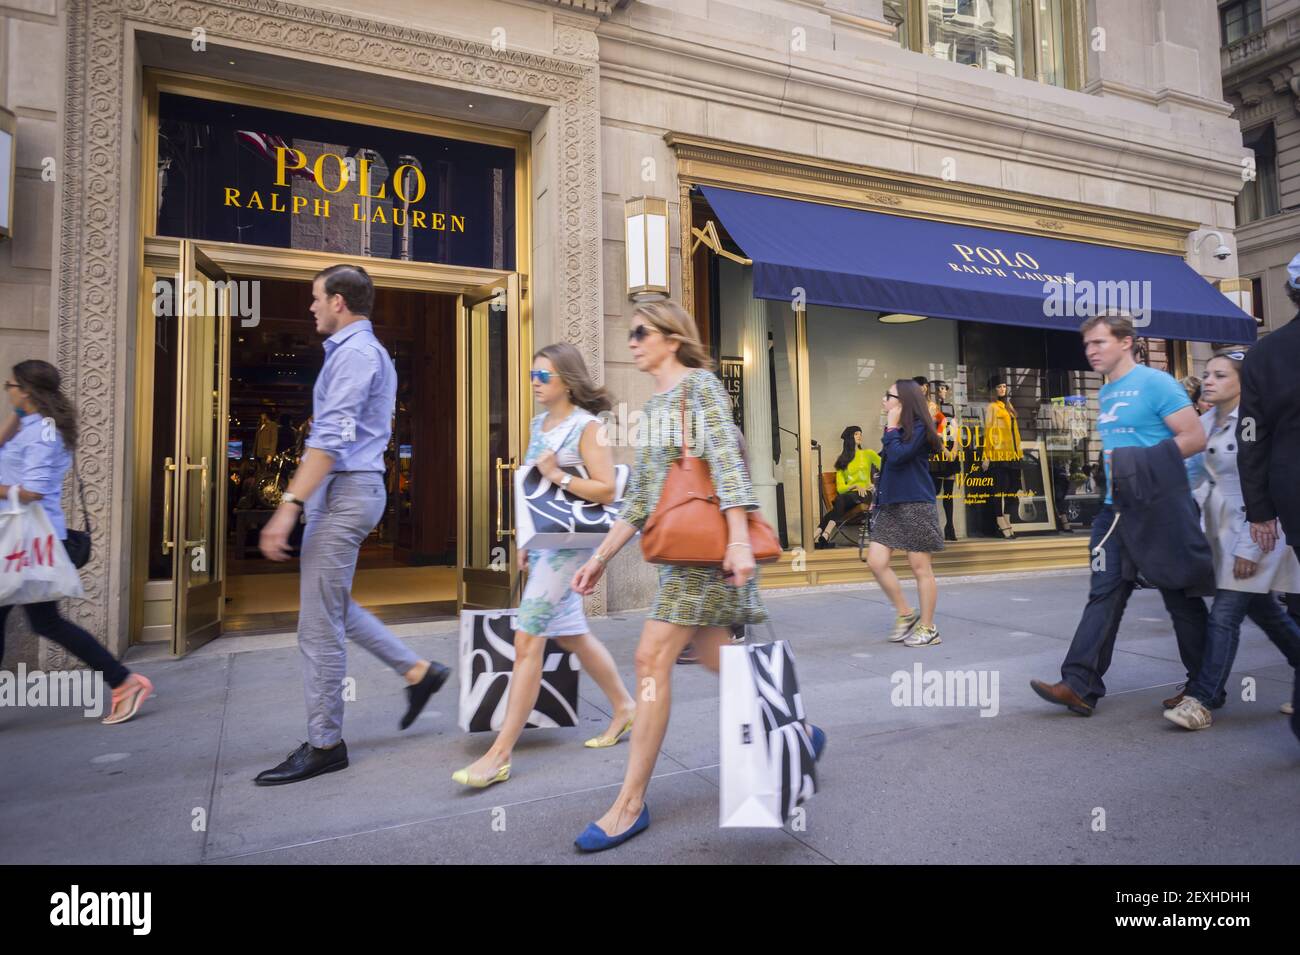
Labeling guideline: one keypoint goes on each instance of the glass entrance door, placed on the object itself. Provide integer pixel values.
(488, 433)
(195, 489)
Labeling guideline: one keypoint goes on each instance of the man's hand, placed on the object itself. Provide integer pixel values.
(274, 540)
(1265, 534)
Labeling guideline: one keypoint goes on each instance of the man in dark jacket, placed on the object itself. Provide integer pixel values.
(1140, 407)
(1268, 439)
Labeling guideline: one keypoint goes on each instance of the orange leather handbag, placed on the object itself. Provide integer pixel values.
(688, 527)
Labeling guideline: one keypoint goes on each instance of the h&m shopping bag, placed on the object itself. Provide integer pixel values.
(34, 567)
(767, 755)
(487, 653)
(546, 515)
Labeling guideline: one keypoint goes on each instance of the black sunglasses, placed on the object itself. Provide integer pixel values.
(641, 333)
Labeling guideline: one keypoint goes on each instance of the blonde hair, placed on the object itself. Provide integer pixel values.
(568, 363)
(677, 324)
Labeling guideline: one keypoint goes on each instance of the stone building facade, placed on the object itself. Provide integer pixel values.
(615, 99)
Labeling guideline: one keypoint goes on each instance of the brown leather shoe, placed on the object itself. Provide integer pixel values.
(1062, 695)
(1173, 701)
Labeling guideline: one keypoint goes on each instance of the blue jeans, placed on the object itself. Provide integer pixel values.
(1223, 635)
(1088, 658)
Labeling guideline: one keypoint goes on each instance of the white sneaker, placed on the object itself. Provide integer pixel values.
(1190, 714)
(1287, 708)
(903, 625)
(923, 636)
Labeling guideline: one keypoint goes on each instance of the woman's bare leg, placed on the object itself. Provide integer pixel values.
(525, 685)
(926, 587)
(878, 560)
(656, 655)
(597, 661)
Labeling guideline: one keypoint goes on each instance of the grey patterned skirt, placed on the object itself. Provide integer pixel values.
(911, 525)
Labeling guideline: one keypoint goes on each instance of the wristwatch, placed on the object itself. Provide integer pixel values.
(564, 484)
(287, 498)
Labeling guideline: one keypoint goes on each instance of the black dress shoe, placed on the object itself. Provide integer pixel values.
(305, 762)
(418, 695)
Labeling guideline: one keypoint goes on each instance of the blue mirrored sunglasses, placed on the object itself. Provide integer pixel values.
(543, 376)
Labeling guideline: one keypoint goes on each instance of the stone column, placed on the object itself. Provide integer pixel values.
(757, 391)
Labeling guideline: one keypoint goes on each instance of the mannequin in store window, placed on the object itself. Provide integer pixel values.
(1002, 451)
(945, 464)
(267, 441)
(855, 471)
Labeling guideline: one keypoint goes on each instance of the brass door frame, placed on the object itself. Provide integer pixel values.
(162, 258)
(159, 257)
(197, 611)
(479, 586)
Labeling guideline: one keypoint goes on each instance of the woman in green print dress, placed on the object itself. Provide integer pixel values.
(696, 605)
(566, 433)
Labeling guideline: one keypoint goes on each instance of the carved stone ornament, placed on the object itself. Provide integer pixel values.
(94, 259)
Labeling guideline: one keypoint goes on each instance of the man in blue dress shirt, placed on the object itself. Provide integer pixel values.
(340, 485)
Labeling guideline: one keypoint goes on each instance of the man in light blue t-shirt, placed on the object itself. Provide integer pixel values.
(1139, 406)
(1133, 409)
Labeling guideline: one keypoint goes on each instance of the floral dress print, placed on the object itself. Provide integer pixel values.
(694, 596)
(549, 608)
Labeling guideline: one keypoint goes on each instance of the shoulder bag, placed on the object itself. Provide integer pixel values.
(77, 543)
(688, 527)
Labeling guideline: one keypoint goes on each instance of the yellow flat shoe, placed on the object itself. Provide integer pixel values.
(463, 777)
(603, 742)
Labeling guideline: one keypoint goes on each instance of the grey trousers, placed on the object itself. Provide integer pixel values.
(339, 518)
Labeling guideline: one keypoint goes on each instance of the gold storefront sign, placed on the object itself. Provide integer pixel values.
(398, 216)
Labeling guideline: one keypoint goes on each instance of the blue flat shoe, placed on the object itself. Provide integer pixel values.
(818, 742)
(595, 839)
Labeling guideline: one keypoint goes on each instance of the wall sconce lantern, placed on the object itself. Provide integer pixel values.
(646, 248)
(8, 169)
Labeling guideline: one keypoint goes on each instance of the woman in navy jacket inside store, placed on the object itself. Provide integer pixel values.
(905, 516)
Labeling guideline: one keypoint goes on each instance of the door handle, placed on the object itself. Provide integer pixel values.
(502, 466)
(167, 543)
(202, 468)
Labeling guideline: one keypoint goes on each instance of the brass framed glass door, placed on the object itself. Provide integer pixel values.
(195, 489)
(488, 432)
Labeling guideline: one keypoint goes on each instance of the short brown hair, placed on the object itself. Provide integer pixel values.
(1118, 323)
(353, 283)
(677, 324)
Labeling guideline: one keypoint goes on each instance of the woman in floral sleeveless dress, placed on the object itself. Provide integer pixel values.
(564, 435)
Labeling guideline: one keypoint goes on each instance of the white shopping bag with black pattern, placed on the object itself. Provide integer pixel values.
(548, 516)
(767, 755)
(487, 654)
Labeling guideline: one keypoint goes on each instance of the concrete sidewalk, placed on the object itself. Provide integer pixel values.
(898, 784)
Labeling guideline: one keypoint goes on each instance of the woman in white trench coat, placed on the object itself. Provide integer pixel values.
(1246, 577)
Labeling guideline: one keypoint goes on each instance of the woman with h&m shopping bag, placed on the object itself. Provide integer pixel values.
(565, 434)
(696, 604)
(35, 454)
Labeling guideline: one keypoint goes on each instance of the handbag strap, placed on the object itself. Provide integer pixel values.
(81, 493)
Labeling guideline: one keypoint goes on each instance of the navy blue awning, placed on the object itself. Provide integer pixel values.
(851, 258)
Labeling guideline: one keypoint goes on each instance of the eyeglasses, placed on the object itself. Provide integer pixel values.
(543, 376)
(11, 384)
(641, 333)
(890, 394)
